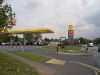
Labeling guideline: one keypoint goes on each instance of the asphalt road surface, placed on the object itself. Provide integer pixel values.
(69, 68)
(94, 52)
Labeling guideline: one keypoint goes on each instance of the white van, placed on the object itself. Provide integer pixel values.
(90, 45)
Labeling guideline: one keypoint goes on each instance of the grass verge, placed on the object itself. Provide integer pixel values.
(10, 66)
(31, 56)
(67, 48)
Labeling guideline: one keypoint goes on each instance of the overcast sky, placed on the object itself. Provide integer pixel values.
(57, 15)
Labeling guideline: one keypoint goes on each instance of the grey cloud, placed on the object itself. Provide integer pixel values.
(59, 3)
(32, 4)
(94, 18)
(84, 2)
(58, 14)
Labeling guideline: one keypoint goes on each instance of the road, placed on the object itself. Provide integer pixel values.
(70, 67)
(94, 52)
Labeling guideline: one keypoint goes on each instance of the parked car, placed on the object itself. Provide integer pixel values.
(5, 43)
(29, 43)
(17, 43)
(43, 43)
(84, 45)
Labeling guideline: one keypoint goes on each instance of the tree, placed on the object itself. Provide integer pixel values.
(37, 36)
(76, 41)
(47, 40)
(97, 41)
(1, 1)
(83, 40)
(5, 38)
(7, 17)
(32, 37)
(28, 36)
(16, 38)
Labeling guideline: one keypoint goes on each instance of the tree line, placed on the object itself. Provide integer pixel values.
(7, 17)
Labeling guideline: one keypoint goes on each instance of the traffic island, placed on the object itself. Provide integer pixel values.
(68, 48)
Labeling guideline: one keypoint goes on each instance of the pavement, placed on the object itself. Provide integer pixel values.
(67, 63)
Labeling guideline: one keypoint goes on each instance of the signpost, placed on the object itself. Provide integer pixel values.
(70, 27)
(71, 34)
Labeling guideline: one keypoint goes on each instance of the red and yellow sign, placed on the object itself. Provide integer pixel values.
(70, 31)
(71, 34)
(70, 27)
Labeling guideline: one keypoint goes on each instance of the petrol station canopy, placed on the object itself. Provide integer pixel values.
(34, 30)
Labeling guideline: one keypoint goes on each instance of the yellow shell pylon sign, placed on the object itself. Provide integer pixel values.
(70, 27)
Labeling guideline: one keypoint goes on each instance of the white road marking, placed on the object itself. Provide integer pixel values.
(95, 73)
(72, 53)
(56, 61)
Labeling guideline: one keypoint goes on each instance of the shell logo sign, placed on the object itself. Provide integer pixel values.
(70, 27)
(71, 34)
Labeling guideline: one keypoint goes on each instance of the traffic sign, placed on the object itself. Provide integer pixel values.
(71, 34)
